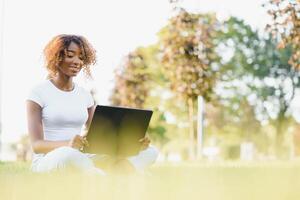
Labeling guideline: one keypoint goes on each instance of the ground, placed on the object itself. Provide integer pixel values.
(211, 181)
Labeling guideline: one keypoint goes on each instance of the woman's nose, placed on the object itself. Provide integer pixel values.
(77, 61)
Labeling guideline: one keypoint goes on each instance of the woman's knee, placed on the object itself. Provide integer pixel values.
(64, 154)
(65, 157)
(152, 153)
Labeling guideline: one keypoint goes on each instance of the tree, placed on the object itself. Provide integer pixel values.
(132, 81)
(138, 76)
(189, 59)
(278, 90)
(260, 71)
(285, 26)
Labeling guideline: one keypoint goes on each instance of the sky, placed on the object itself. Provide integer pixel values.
(113, 27)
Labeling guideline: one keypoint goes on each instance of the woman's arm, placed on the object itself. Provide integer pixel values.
(35, 131)
(91, 111)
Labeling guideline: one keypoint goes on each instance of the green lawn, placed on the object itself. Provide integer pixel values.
(226, 181)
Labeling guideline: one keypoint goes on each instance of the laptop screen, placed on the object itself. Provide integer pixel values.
(116, 131)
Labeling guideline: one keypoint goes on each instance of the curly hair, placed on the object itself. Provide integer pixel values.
(55, 51)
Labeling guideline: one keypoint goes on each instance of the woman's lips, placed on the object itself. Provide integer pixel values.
(75, 69)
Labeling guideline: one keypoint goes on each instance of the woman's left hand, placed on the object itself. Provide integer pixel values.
(144, 143)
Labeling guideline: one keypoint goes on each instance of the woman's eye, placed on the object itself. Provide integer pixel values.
(70, 56)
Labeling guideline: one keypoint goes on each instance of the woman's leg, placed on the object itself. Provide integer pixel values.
(145, 158)
(65, 158)
(138, 162)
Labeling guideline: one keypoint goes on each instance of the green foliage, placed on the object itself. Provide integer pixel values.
(188, 54)
(132, 79)
(249, 79)
(258, 71)
(237, 45)
(255, 67)
(285, 26)
(136, 79)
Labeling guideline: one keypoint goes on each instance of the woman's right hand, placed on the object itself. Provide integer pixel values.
(78, 142)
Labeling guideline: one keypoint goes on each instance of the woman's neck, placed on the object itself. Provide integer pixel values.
(63, 82)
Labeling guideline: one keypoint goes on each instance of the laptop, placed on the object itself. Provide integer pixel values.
(116, 131)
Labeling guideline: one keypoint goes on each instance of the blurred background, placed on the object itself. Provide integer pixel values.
(221, 76)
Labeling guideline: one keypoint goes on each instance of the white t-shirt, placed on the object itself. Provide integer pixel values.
(63, 112)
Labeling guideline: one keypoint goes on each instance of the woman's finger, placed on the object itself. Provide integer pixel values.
(143, 147)
(81, 140)
(144, 139)
(86, 143)
(77, 145)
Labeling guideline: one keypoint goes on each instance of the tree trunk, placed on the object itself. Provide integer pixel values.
(199, 137)
(281, 150)
(192, 132)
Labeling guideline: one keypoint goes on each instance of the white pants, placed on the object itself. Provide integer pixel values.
(67, 157)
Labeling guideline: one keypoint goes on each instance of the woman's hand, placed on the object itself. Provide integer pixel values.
(78, 142)
(144, 143)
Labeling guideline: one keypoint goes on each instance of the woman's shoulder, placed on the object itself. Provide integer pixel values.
(39, 92)
(87, 94)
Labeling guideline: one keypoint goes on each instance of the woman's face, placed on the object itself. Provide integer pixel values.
(72, 61)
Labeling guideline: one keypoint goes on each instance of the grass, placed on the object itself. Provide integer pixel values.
(188, 181)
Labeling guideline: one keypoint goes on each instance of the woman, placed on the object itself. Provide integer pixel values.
(59, 112)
